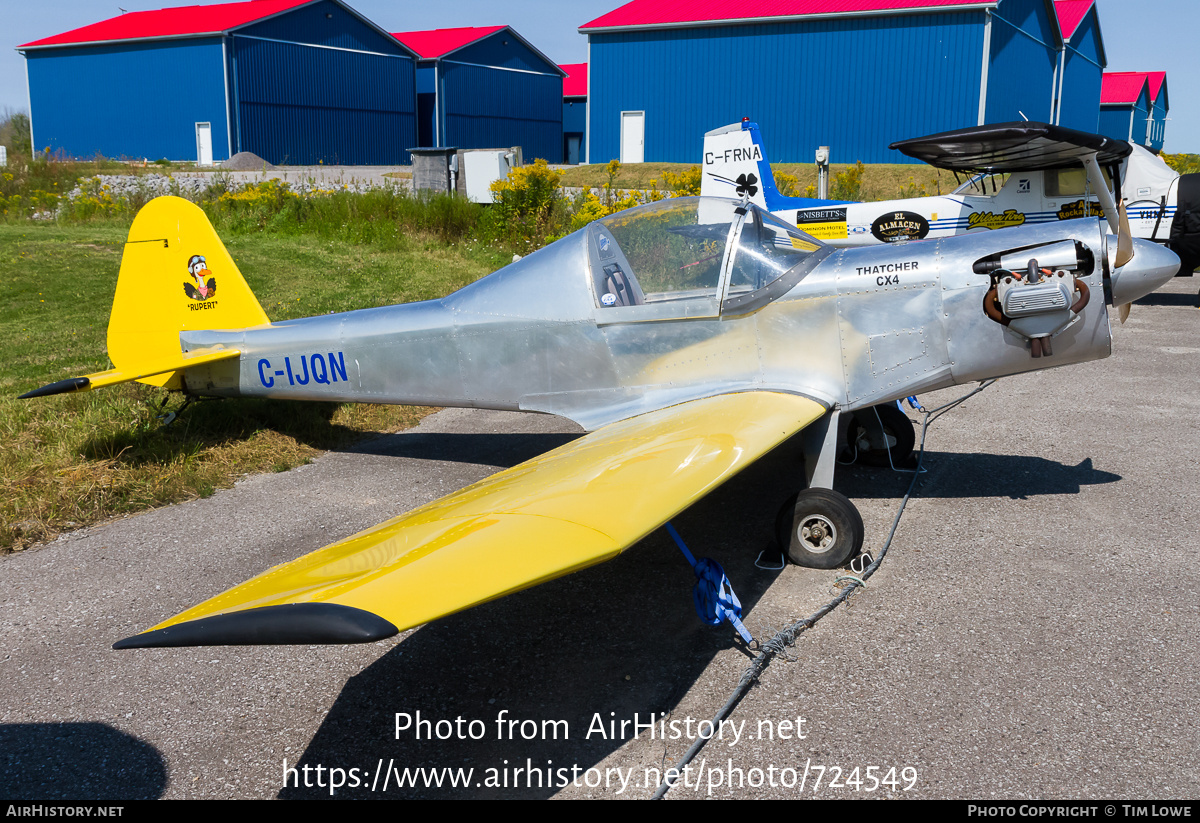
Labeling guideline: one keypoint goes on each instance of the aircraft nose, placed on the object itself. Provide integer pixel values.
(1152, 265)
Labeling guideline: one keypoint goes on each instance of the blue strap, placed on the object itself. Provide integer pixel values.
(715, 600)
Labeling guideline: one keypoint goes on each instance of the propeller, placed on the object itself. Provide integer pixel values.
(1124, 238)
(1124, 253)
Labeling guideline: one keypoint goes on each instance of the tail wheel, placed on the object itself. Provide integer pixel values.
(898, 436)
(819, 529)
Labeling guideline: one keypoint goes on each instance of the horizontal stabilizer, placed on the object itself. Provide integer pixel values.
(139, 371)
(570, 508)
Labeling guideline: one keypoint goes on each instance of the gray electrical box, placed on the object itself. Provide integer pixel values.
(435, 169)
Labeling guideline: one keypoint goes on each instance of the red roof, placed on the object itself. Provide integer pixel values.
(654, 13)
(439, 42)
(1156, 80)
(182, 21)
(575, 83)
(1070, 14)
(1119, 87)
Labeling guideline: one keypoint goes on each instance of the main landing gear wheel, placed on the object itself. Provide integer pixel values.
(899, 436)
(819, 529)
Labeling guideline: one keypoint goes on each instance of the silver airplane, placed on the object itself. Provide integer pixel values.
(688, 336)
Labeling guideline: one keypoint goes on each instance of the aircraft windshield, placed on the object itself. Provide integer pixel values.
(766, 249)
(665, 251)
(983, 185)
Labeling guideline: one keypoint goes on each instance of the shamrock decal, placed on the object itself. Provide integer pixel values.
(747, 184)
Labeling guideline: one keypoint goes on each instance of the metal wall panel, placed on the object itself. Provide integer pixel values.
(1114, 121)
(502, 49)
(300, 104)
(130, 100)
(310, 25)
(488, 108)
(1024, 59)
(575, 122)
(1082, 77)
(1158, 127)
(852, 84)
(574, 114)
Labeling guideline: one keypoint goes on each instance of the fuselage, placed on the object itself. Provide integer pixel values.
(986, 203)
(847, 327)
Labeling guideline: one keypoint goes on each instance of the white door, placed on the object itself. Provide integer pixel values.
(204, 144)
(633, 136)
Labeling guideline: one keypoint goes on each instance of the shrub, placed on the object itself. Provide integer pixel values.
(847, 185)
(529, 205)
(14, 134)
(911, 189)
(1183, 163)
(685, 183)
(787, 184)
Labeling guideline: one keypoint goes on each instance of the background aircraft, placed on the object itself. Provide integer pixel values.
(1016, 174)
(689, 336)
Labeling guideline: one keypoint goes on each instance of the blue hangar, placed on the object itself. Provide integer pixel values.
(485, 87)
(855, 75)
(294, 81)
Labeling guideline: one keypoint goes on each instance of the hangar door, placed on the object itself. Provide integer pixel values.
(302, 105)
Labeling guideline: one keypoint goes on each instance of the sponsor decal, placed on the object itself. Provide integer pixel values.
(820, 216)
(859, 229)
(826, 231)
(823, 224)
(1023, 187)
(203, 287)
(897, 226)
(799, 243)
(1073, 211)
(988, 220)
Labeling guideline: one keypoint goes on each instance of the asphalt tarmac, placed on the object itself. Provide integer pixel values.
(1031, 634)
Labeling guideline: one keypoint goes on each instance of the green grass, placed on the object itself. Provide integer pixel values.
(631, 175)
(72, 460)
(880, 182)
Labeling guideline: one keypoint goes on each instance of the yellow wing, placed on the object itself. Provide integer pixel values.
(570, 508)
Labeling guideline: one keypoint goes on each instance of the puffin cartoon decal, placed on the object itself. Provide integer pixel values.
(206, 286)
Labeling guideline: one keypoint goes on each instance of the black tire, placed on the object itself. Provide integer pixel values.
(819, 529)
(897, 428)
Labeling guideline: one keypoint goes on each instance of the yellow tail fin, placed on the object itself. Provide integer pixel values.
(175, 275)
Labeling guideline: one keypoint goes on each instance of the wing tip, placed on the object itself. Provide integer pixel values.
(290, 624)
(71, 384)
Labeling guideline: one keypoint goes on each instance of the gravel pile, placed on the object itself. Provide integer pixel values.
(246, 161)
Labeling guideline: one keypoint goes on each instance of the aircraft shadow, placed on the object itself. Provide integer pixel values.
(617, 639)
(976, 475)
(212, 422)
(502, 450)
(1159, 298)
(77, 761)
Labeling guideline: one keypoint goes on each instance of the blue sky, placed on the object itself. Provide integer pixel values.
(1147, 35)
